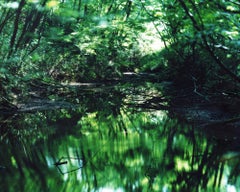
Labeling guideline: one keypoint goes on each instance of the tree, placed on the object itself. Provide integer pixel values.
(196, 30)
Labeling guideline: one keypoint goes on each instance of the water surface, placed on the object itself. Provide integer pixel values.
(103, 144)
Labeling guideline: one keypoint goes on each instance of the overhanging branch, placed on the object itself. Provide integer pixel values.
(206, 44)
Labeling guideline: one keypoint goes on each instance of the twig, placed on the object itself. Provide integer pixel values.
(195, 89)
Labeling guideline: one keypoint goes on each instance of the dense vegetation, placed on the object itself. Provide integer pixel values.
(81, 41)
(137, 135)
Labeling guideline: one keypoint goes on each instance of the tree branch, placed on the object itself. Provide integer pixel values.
(206, 44)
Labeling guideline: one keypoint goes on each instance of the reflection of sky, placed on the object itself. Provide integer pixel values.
(73, 165)
(224, 181)
(108, 189)
(231, 188)
(49, 161)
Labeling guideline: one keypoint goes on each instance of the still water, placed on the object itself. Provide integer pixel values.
(105, 145)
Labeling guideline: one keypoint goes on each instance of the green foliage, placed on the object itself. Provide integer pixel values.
(202, 37)
(96, 40)
(143, 151)
(67, 41)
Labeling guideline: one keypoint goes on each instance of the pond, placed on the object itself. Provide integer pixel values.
(105, 143)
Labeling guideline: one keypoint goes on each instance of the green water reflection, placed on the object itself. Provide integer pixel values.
(68, 150)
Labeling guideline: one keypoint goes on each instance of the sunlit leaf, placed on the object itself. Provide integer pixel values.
(52, 3)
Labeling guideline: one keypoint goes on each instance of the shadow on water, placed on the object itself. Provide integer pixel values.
(104, 145)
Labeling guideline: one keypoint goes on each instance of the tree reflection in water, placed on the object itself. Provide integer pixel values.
(128, 150)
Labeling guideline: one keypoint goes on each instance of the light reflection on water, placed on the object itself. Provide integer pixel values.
(130, 151)
(108, 189)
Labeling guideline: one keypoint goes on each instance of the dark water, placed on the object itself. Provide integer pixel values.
(105, 145)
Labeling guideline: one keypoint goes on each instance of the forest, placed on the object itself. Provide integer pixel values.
(119, 95)
(190, 43)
